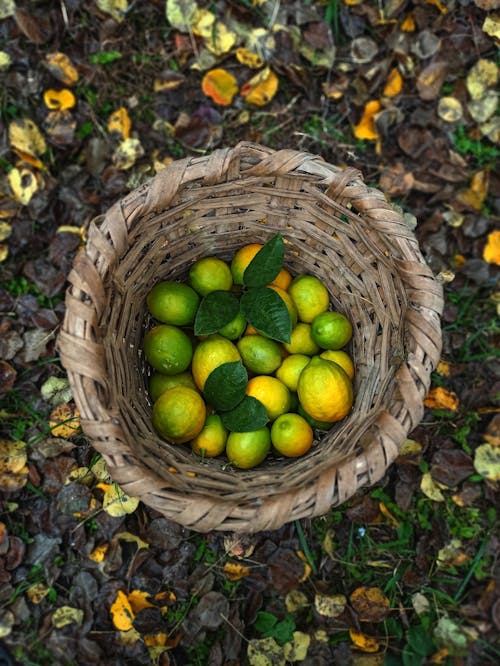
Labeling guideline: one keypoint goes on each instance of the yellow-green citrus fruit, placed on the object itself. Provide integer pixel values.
(173, 303)
(248, 449)
(290, 369)
(272, 393)
(325, 390)
(211, 441)
(241, 260)
(314, 423)
(235, 328)
(213, 351)
(290, 306)
(260, 355)
(301, 341)
(168, 349)
(342, 358)
(331, 330)
(159, 383)
(282, 280)
(179, 414)
(310, 296)
(210, 274)
(291, 435)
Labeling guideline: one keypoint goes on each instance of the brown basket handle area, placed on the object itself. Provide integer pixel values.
(82, 351)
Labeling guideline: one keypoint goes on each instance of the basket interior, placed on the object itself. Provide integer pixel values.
(323, 237)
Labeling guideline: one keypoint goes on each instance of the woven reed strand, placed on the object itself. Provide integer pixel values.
(334, 227)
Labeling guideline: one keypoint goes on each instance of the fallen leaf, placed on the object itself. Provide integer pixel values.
(37, 593)
(410, 448)
(127, 153)
(66, 615)
(365, 129)
(115, 8)
(483, 75)
(363, 642)
(307, 567)
(449, 467)
(452, 554)
(13, 468)
(491, 252)
(491, 25)
(487, 461)
(168, 80)
(139, 599)
(370, 603)
(451, 636)
(430, 488)
(393, 83)
(249, 58)
(59, 99)
(116, 502)
(265, 652)
(131, 538)
(61, 67)
(261, 88)
(26, 138)
(5, 230)
(221, 40)
(180, 13)
(441, 398)
(408, 24)
(450, 109)
(23, 184)
(492, 434)
(431, 79)
(121, 611)
(203, 23)
(235, 571)
(7, 8)
(295, 600)
(330, 605)
(442, 8)
(5, 60)
(297, 649)
(8, 376)
(99, 553)
(56, 390)
(220, 85)
(7, 621)
(484, 108)
(119, 122)
(474, 196)
(420, 603)
(65, 421)
(4, 251)
(156, 640)
(491, 129)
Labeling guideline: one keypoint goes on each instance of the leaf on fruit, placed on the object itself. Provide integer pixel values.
(121, 611)
(261, 88)
(248, 415)
(366, 129)
(216, 309)
(266, 311)
(266, 264)
(220, 85)
(364, 642)
(441, 398)
(225, 386)
(370, 603)
(491, 252)
(119, 122)
(487, 462)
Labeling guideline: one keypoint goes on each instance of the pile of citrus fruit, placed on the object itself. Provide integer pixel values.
(245, 358)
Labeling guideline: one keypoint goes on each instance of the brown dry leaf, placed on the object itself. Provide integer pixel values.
(67, 615)
(393, 84)
(121, 611)
(119, 122)
(431, 79)
(235, 571)
(487, 462)
(25, 138)
(441, 398)
(65, 421)
(265, 652)
(491, 252)
(330, 605)
(127, 153)
(370, 604)
(483, 75)
(261, 88)
(296, 650)
(37, 593)
(430, 488)
(61, 67)
(249, 58)
(474, 196)
(491, 25)
(59, 99)
(115, 8)
(139, 599)
(363, 642)
(450, 109)
(220, 85)
(99, 553)
(366, 129)
(23, 184)
(13, 468)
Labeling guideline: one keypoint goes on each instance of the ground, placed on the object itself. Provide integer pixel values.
(97, 96)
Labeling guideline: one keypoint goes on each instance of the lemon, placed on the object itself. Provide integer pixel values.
(272, 393)
(173, 303)
(234, 328)
(260, 355)
(291, 435)
(168, 349)
(179, 414)
(301, 341)
(286, 298)
(310, 297)
(210, 274)
(314, 423)
(290, 369)
(159, 383)
(325, 390)
(241, 260)
(342, 358)
(211, 441)
(283, 279)
(248, 449)
(331, 330)
(213, 351)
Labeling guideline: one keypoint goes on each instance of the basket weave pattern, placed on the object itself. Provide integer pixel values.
(334, 227)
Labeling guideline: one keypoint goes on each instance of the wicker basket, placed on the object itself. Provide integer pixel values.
(334, 227)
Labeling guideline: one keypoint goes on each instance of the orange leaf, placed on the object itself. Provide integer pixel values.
(99, 552)
(366, 129)
(370, 603)
(119, 121)
(394, 83)
(62, 68)
(156, 640)
(408, 24)
(363, 642)
(235, 571)
(138, 600)
(121, 612)
(441, 398)
(220, 85)
(261, 88)
(59, 99)
(444, 368)
(491, 252)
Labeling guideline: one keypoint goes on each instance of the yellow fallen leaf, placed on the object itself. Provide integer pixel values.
(487, 461)
(59, 99)
(156, 640)
(409, 448)
(62, 68)
(442, 8)
(491, 252)
(393, 84)
(366, 129)
(452, 554)
(296, 650)
(430, 488)
(99, 552)
(12, 456)
(477, 191)
(491, 25)
(116, 502)
(450, 109)
(131, 538)
(65, 421)
(483, 75)
(127, 153)
(5, 230)
(203, 23)
(37, 593)
(181, 14)
(115, 8)
(370, 603)
(330, 605)
(295, 600)
(25, 137)
(408, 24)
(235, 571)
(220, 85)
(7, 8)
(5, 60)
(261, 88)
(265, 652)
(23, 184)
(221, 40)
(66, 615)
(119, 122)
(441, 398)
(364, 642)
(121, 611)
(139, 600)
(249, 58)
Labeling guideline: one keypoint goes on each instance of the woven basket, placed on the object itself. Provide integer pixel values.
(334, 227)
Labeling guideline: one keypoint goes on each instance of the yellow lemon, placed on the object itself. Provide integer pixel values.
(260, 355)
(248, 449)
(159, 383)
(310, 296)
(173, 303)
(179, 414)
(241, 260)
(168, 349)
(314, 423)
(325, 390)
(211, 441)
(283, 279)
(272, 393)
(210, 274)
(342, 358)
(331, 330)
(290, 369)
(301, 341)
(291, 435)
(213, 351)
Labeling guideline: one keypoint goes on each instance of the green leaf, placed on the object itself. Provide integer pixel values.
(216, 310)
(266, 311)
(266, 264)
(225, 386)
(248, 415)
(265, 622)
